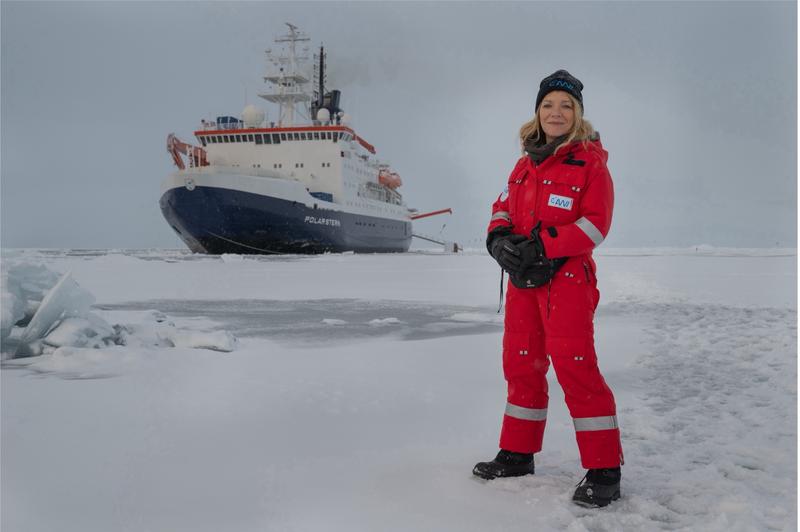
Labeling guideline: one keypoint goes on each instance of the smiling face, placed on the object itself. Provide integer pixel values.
(556, 114)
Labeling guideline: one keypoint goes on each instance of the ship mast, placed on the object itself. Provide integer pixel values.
(287, 76)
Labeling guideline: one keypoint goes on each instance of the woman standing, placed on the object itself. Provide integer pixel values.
(554, 211)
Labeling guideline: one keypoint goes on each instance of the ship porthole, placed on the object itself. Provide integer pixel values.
(189, 184)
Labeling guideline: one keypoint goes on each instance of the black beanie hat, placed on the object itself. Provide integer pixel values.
(560, 80)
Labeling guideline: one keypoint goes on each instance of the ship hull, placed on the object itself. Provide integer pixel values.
(218, 220)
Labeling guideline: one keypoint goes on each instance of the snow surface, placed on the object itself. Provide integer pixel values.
(363, 388)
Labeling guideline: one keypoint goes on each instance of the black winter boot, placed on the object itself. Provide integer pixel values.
(598, 488)
(505, 464)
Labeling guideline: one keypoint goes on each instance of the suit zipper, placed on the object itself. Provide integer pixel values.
(549, 284)
(537, 183)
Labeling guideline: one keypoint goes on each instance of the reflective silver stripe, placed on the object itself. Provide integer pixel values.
(501, 215)
(591, 231)
(531, 414)
(595, 423)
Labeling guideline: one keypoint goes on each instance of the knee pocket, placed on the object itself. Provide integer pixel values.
(575, 362)
(523, 354)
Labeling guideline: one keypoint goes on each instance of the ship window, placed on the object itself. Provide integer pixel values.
(303, 136)
(316, 135)
(238, 138)
(203, 141)
(276, 139)
(267, 139)
(283, 136)
(226, 138)
(250, 137)
(297, 136)
(259, 140)
(335, 136)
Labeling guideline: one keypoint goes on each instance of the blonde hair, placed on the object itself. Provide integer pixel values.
(582, 129)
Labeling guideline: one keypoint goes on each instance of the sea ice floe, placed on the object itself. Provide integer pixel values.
(231, 257)
(476, 317)
(384, 321)
(23, 288)
(46, 313)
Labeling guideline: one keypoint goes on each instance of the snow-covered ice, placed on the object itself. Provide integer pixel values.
(58, 318)
(363, 388)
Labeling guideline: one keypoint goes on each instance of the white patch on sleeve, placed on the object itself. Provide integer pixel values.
(560, 202)
(504, 194)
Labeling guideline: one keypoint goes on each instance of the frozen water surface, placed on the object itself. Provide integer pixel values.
(364, 388)
(317, 321)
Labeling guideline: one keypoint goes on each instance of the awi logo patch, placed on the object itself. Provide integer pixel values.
(561, 202)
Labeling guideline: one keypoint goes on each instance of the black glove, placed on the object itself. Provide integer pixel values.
(502, 246)
(535, 269)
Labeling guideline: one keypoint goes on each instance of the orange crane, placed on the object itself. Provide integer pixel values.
(176, 147)
(434, 213)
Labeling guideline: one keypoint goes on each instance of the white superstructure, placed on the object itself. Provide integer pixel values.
(324, 154)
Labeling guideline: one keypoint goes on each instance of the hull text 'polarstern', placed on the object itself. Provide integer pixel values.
(304, 182)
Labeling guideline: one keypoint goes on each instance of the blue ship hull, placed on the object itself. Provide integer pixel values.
(218, 220)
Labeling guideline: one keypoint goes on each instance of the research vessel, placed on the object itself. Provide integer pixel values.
(302, 182)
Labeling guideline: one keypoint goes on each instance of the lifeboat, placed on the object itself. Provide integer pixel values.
(390, 179)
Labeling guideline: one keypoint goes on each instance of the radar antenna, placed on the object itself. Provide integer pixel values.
(288, 76)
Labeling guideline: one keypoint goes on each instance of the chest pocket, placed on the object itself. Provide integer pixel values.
(561, 195)
(516, 191)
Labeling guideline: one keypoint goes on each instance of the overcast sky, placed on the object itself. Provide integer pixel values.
(695, 102)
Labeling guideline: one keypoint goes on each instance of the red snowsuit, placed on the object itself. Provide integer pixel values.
(571, 193)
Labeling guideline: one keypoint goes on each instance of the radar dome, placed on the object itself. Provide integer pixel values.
(323, 115)
(252, 116)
